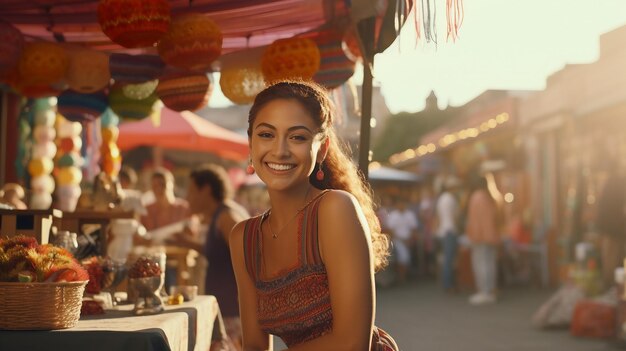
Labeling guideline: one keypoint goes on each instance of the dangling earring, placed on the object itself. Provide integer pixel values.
(319, 175)
(250, 167)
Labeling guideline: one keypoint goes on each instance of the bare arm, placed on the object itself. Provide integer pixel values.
(345, 246)
(254, 339)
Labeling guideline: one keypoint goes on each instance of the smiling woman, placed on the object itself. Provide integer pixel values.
(305, 268)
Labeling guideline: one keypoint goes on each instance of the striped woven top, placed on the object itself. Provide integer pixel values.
(296, 305)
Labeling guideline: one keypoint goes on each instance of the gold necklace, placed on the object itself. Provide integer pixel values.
(269, 222)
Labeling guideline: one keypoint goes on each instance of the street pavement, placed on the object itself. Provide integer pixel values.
(421, 317)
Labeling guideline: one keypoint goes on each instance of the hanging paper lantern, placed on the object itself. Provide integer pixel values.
(88, 71)
(69, 175)
(70, 159)
(42, 64)
(44, 183)
(79, 107)
(40, 166)
(291, 58)
(127, 108)
(11, 46)
(184, 91)
(335, 66)
(193, 41)
(134, 23)
(67, 129)
(45, 117)
(126, 68)
(109, 118)
(35, 91)
(40, 201)
(240, 77)
(44, 150)
(140, 90)
(110, 134)
(69, 144)
(43, 133)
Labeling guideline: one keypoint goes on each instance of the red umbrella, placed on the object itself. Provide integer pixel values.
(184, 131)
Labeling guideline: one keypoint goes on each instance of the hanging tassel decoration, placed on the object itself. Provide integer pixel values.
(429, 16)
(454, 14)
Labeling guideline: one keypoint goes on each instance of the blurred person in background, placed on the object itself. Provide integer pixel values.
(167, 208)
(481, 228)
(403, 224)
(426, 243)
(13, 194)
(209, 195)
(127, 178)
(447, 230)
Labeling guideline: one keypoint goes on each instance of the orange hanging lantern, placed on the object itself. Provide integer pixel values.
(88, 71)
(193, 42)
(184, 91)
(291, 58)
(42, 63)
(11, 46)
(134, 23)
(241, 78)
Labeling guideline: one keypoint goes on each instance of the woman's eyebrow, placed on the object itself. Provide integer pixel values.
(267, 125)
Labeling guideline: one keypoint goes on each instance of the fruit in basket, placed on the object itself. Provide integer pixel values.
(23, 260)
(144, 268)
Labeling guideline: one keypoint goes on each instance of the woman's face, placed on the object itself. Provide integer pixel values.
(285, 144)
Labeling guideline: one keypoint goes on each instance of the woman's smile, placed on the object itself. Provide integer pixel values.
(280, 167)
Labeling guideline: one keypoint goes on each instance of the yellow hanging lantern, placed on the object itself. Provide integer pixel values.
(291, 58)
(193, 41)
(88, 71)
(42, 64)
(69, 175)
(40, 166)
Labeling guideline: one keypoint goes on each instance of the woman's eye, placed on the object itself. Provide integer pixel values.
(265, 135)
(299, 137)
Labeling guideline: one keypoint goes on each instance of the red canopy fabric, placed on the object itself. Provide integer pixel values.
(184, 131)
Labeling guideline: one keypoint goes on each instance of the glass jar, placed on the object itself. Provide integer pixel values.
(66, 240)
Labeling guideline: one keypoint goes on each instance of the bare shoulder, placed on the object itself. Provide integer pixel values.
(336, 202)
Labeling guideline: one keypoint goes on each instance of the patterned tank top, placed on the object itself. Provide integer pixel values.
(296, 305)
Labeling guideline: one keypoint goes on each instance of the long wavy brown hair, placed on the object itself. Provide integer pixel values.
(339, 170)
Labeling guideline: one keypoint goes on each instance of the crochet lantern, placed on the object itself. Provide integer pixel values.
(127, 68)
(184, 91)
(241, 78)
(140, 90)
(11, 45)
(193, 42)
(77, 107)
(42, 63)
(290, 58)
(134, 23)
(336, 67)
(127, 108)
(88, 71)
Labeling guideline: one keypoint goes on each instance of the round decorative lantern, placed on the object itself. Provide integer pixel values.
(193, 41)
(135, 68)
(336, 67)
(134, 23)
(88, 71)
(241, 78)
(70, 159)
(69, 144)
(44, 183)
(11, 46)
(184, 91)
(40, 166)
(79, 107)
(42, 64)
(127, 108)
(140, 90)
(43, 133)
(44, 150)
(69, 175)
(291, 58)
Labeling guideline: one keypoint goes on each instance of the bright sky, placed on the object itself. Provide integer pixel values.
(503, 44)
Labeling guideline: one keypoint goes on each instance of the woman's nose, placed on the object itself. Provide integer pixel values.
(281, 148)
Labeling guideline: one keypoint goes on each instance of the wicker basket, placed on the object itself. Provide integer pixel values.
(40, 306)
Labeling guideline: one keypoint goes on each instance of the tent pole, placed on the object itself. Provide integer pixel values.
(366, 116)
